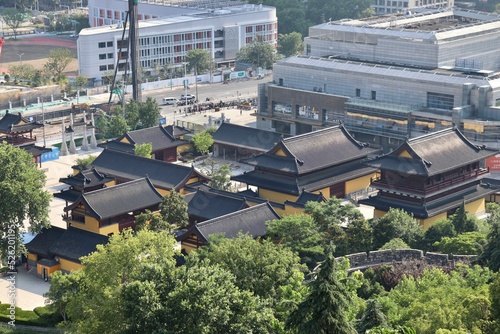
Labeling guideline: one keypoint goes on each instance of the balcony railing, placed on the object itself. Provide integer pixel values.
(422, 189)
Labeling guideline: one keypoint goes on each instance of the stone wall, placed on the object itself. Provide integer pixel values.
(360, 261)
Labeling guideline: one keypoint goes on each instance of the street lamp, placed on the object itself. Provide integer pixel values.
(185, 85)
(20, 58)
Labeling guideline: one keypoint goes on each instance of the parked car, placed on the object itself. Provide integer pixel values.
(187, 97)
(169, 100)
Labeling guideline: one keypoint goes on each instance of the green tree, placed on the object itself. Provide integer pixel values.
(462, 221)
(102, 125)
(494, 291)
(85, 161)
(468, 243)
(396, 243)
(438, 300)
(324, 309)
(174, 210)
(260, 54)
(300, 233)
(57, 62)
(13, 18)
(117, 126)
(202, 142)
(207, 300)
(23, 199)
(290, 44)
(149, 113)
(24, 71)
(221, 178)
(397, 224)
(271, 272)
(62, 289)
(344, 225)
(372, 317)
(97, 305)
(319, 11)
(80, 81)
(152, 221)
(132, 114)
(200, 61)
(436, 232)
(491, 253)
(143, 150)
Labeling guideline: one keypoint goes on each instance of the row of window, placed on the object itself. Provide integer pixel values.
(118, 15)
(260, 38)
(174, 49)
(262, 27)
(105, 56)
(103, 45)
(168, 39)
(104, 68)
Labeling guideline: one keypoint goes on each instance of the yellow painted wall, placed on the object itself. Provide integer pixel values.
(426, 223)
(50, 270)
(163, 192)
(473, 126)
(109, 229)
(69, 265)
(280, 152)
(184, 148)
(110, 183)
(359, 183)
(476, 206)
(325, 192)
(33, 257)
(275, 196)
(125, 140)
(289, 210)
(405, 154)
(378, 213)
(187, 247)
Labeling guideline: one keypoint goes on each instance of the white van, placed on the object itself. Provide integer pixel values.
(169, 100)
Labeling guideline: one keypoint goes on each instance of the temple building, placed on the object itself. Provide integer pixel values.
(18, 131)
(329, 162)
(164, 144)
(431, 176)
(251, 221)
(110, 210)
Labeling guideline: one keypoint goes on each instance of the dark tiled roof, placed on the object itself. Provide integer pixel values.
(75, 243)
(435, 207)
(86, 178)
(251, 220)
(157, 136)
(207, 205)
(11, 123)
(126, 197)
(164, 175)
(433, 154)
(69, 195)
(246, 137)
(35, 151)
(179, 131)
(291, 184)
(118, 146)
(48, 262)
(43, 240)
(305, 197)
(267, 161)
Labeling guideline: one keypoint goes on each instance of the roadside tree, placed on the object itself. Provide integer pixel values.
(24, 203)
(260, 54)
(290, 44)
(13, 18)
(200, 61)
(57, 62)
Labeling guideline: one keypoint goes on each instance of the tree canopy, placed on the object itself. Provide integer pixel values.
(24, 203)
(58, 60)
(260, 54)
(202, 142)
(290, 44)
(13, 18)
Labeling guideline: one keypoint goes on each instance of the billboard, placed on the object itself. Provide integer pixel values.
(493, 163)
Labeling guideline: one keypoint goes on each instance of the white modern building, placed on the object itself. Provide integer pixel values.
(390, 78)
(397, 6)
(165, 40)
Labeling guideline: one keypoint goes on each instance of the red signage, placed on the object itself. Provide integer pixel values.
(493, 163)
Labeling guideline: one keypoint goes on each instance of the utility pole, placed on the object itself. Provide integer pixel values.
(134, 50)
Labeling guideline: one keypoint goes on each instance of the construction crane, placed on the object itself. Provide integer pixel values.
(133, 54)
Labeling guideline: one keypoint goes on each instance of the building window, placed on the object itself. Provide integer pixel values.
(110, 56)
(374, 95)
(249, 29)
(308, 49)
(102, 45)
(440, 101)
(102, 56)
(358, 92)
(109, 44)
(111, 67)
(102, 68)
